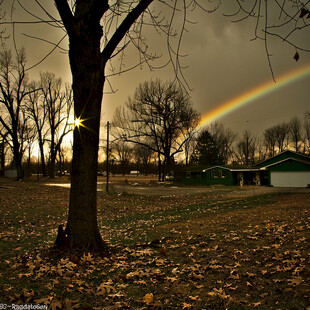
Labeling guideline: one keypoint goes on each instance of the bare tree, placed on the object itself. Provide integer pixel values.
(246, 148)
(123, 153)
(37, 112)
(66, 127)
(224, 139)
(270, 140)
(295, 132)
(306, 126)
(58, 105)
(189, 147)
(13, 90)
(30, 138)
(281, 134)
(159, 116)
(261, 149)
(143, 156)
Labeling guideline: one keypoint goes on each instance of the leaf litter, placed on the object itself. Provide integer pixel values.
(196, 252)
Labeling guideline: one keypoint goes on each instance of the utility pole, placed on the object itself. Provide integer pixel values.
(107, 154)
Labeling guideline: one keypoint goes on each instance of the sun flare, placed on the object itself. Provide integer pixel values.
(77, 122)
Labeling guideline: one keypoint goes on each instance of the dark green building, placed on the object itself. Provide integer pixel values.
(287, 169)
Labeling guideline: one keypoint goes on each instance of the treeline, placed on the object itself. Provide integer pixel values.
(33, 114)
(158, 127)
(213, 145)
(219, 145)
(155, 131)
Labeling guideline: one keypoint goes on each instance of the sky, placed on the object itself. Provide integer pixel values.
(222, 63)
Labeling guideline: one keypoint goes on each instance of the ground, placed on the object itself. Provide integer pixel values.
(217, 248)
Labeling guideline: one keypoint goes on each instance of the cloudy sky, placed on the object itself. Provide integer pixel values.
(221, 63)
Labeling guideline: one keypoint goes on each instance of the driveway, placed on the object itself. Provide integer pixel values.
(244, 191)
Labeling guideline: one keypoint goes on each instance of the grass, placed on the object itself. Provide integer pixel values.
(201, 251)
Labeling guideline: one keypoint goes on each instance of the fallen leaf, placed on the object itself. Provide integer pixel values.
(295, 281)
(55, 304)
(148, 298)
(256, 304)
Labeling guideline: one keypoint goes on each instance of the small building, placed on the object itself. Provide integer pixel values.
(287, 169)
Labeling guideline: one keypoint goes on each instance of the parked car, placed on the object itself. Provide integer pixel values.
(170, 176)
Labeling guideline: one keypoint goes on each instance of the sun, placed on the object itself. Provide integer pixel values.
(77, 122)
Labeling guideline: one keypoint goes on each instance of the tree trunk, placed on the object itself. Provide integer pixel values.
(159, 168)
(44, 174)
(82, 232)
(17, 157)
(51, 166)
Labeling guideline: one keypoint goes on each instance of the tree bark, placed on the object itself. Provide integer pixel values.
(82, 230)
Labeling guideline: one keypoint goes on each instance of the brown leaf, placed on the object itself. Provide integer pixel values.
(55, 305)
(256, 304)
(303, 12)
(296, 56)
(148, 298)
(44, 301)
(71, 304)
(186, 306)
(105, 288)
(295, 281)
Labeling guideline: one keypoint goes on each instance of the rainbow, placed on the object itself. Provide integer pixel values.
(254, 94)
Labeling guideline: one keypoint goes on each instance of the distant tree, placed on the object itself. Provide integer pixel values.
(246, 149)
(58, 104)
(13, 90)
(306, 126)
(160, 116)
(123, 153)
(261, 149)
(143, 157)
(270, 140)
(37, 111)
(206, 151)
(281, 134)
(30, 138)
(295, 132)
(224, 139)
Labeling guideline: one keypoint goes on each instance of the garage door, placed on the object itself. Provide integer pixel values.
(290, 179)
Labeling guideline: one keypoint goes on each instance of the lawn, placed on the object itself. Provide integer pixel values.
(206, 251)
